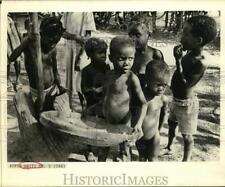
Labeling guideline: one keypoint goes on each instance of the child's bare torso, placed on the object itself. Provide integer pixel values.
(151, 120)
(47, 62)
(143, 58)
(93, 78)
(117, 99)
(193, 70)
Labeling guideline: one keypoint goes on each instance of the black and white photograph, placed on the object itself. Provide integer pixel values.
(108, 86)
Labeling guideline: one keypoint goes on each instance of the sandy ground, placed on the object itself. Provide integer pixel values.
(207, 139)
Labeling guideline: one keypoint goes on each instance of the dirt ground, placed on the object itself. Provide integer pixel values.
(207, 139)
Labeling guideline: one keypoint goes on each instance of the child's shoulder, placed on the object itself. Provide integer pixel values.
(110, 74)
(88, 69)
(132, 75)
(156, 53)
(165, 98)
(160, 101)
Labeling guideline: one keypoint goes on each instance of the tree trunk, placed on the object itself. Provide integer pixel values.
(36, 55)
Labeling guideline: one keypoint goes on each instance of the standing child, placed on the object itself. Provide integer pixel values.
(144, 54)
(93, 76)
(120, 83)
(140, 32)
(197, 32)
(50, 31)
(156, 77)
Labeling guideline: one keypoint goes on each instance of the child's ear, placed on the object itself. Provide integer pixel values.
(200, 41)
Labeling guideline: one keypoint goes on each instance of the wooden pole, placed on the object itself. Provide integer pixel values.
(36, 55)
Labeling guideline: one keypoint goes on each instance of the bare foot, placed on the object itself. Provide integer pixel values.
(91, 157)
(166, 151)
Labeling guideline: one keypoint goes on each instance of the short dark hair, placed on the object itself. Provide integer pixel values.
(156, 68)
(203, 26)
(120, 41)
(94, 44)
(51, 26)
(143, 21)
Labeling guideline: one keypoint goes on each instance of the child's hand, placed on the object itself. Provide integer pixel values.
(138, 129)
(178, 52)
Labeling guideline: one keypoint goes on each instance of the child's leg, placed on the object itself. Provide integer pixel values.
(142, 147)
(154, 147)
(125, 151)
(103, 154)
(17, 70)
(188, 145)
(172, 133)
(90, 155)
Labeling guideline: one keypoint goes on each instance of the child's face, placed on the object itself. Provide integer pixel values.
(140, 35)
(123, 61)
(50, 42)
(157, 85)
(99, 56)
(189, 41)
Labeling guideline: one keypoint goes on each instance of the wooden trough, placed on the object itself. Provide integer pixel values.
(56, 138)
(91, 130)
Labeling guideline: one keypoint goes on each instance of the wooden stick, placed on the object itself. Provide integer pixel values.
(36, 55)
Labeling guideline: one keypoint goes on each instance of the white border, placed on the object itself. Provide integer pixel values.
(179, 173)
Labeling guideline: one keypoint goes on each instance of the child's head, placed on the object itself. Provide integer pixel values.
(96, 50)
(139, 31)
(157, 76)
(198, 31)
(122, 50)
(51, 31)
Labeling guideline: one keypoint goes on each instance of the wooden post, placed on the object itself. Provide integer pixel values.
(36, 55)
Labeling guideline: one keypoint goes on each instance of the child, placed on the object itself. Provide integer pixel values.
(197, 32)
(140, 33)
(156, 77)
(120, 83)
(50, 32)
(93, 76)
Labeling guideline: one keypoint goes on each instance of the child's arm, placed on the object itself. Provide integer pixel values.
(79, 39)
(143, 104)
(158, 55)
(55, 69)
(163, 112)
(196, 73)
(17, 52)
